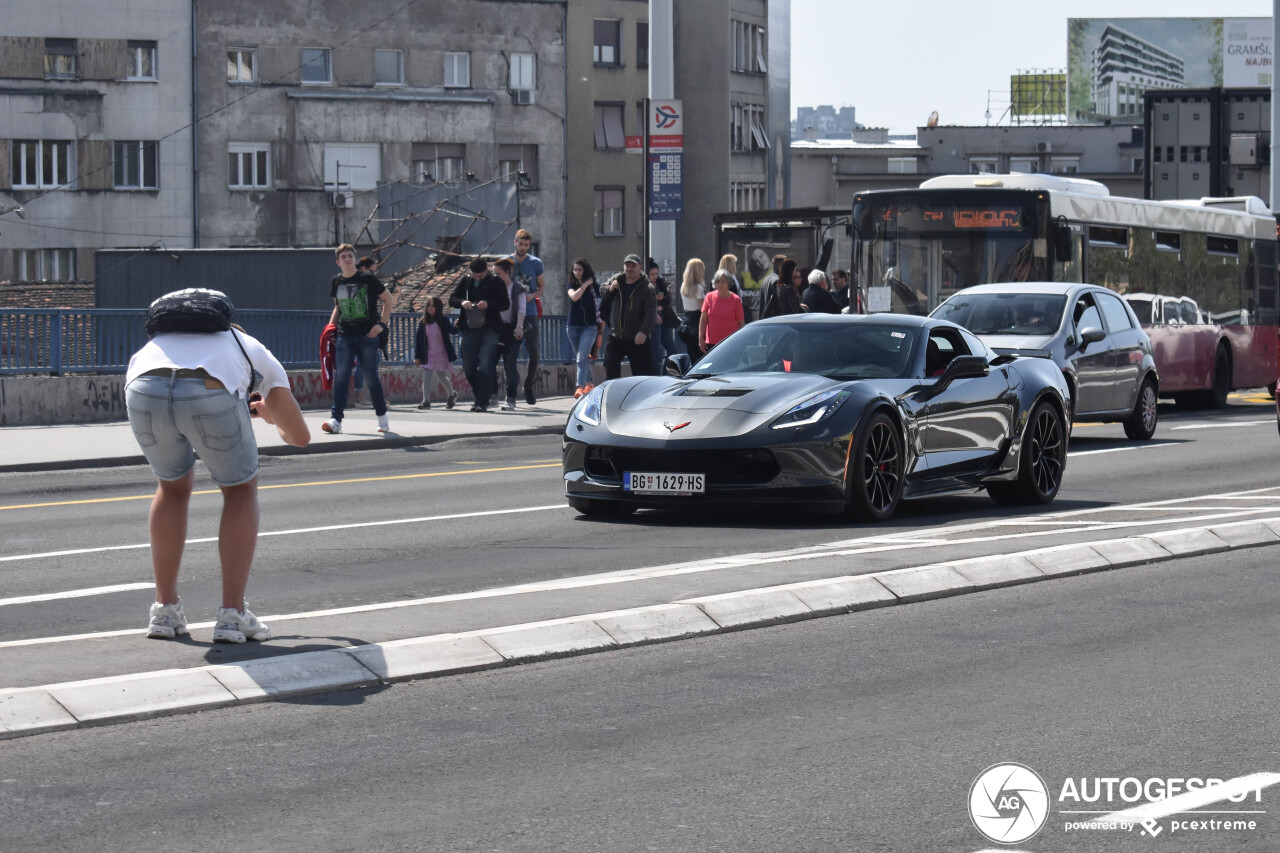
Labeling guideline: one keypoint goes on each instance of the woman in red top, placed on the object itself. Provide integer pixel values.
(721, 312)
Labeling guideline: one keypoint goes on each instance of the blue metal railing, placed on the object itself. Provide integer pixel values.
(101, 340)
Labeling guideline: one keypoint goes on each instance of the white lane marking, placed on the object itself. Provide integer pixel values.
(1225, 424)
(296, 531)
(75, 593)
(1146, 445)
(1242, 785)
(670, 570)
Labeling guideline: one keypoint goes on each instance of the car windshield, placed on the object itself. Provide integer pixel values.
(1005, 313)
(834, 350)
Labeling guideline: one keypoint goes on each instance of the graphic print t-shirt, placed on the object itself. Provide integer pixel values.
(357, 301)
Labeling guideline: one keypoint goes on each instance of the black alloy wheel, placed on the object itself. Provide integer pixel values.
(1141, 423)
(1044, 458)
(876, 468)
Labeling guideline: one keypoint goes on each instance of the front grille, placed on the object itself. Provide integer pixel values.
(722, 467)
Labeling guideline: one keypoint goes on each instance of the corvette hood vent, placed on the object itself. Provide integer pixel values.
(712, 392)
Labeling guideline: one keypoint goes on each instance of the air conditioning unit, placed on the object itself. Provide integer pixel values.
(341, 200)
(523, 96)
(1044, 147)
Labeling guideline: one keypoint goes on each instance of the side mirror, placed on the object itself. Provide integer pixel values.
(965, 367)
(677, 365)
(1062, 244)
(1090, 335)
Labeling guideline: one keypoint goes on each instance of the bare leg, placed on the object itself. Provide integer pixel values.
(237, 540)
(168, 528)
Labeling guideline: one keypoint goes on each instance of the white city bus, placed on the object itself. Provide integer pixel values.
(913, 248)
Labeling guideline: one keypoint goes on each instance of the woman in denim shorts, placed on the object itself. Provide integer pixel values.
(187, 396)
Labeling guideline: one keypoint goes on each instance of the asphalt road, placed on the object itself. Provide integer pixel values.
(857, 733)
(841, 734)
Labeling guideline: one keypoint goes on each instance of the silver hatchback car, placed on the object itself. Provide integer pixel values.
(1091, 333)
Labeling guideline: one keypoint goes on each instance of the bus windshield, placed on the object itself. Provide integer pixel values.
(918, 252)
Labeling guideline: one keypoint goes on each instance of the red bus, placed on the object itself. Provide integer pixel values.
(913, 248)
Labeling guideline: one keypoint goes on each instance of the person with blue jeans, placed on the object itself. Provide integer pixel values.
(664, 337)
(482, 299)
(361, 310)
(527, 271)
(513, 330)
(582, 322)
(187, 395)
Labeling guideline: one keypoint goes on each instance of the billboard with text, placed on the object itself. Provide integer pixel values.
(1113, 62)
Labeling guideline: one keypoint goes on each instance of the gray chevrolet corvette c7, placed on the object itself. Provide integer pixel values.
(824, 411)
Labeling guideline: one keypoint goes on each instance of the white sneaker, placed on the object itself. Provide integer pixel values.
(333, 426)
(509, 405)
(384, 425)
(167, 621)
(236, 627)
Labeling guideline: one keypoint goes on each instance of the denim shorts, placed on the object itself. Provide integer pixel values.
(174, 420)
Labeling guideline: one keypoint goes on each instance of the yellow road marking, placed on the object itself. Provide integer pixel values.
(297, 485)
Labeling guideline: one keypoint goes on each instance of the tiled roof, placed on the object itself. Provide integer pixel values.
(47, 294)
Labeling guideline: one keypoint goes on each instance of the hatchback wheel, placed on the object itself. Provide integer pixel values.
(1141, 423)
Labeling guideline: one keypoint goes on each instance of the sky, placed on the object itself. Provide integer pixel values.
(899, 60)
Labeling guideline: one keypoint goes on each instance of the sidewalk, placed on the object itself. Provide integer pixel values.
(97, 445)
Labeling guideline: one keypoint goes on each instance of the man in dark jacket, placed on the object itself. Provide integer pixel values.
(482, 298)
(631, 307)
(816, 298)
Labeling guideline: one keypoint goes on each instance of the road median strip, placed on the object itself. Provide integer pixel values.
(57, 707)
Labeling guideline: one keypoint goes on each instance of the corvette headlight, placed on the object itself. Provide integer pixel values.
(814, 409)
(589, 408)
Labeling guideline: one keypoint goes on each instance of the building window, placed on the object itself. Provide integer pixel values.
(135, 165)
(737, 136)
(606, 48)
(40, 163)
(748, 48)
(609, 211)
(388, 68)
(438, 162)
(609, 133)
(902, 166)
(316, 67)
(1064, 165)
(44, 264)
(249, 166)
(1025, 165)
(514, 159)
(524, 77)
(457, 70)
(756, 120)
(642, 44)
(142, 60)
(984, 165)
(60, 59)
(242, 65)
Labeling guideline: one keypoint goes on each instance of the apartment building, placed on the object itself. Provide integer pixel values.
(95, 132)
(731, 63)
(309, 107)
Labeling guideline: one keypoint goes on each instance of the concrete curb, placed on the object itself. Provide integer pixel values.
(56, 707)
(321, 444)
